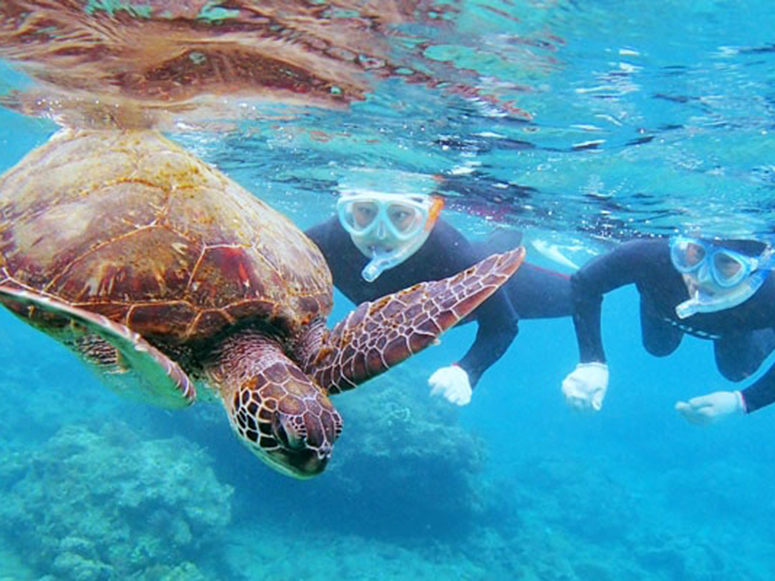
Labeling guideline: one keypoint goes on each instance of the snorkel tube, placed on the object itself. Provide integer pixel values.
(382, 260)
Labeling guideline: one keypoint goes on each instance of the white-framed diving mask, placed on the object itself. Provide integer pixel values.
(717, 276)
(387, 227)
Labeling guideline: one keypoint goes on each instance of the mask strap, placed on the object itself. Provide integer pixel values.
(437, 205)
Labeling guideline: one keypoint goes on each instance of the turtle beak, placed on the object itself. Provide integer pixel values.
(303, 464)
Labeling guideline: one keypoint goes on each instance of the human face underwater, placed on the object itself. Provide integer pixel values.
(387, 228)
(716, 275)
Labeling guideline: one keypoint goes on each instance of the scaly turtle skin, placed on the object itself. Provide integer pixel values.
(158, 269)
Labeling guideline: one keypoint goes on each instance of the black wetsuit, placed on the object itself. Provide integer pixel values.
(743, 336)
(531, 293)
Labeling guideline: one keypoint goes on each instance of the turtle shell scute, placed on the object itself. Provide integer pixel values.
(130, 225)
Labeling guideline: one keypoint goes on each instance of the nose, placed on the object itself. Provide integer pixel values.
(703, 274)
(381, 232)
(289, 431)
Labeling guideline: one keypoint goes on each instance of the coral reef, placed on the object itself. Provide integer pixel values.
(409, 495)
(580, 519)
(107, 505)
(407, 462)
(559, 517)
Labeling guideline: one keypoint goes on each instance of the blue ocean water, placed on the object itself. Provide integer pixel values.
(632, 118)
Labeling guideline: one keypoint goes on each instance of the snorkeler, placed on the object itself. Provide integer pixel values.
(387, 235)
(713, 289)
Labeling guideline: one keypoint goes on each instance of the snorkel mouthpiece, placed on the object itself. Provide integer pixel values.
(379, 263)
(382, 260)
(701, 302)
(688, 308)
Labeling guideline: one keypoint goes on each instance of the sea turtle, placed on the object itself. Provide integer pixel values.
(160, 271)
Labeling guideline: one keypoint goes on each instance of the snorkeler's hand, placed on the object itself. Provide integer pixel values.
(584, 388)
(707, 409)
(451, 383)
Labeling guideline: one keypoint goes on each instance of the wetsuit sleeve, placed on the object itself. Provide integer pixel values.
(761, 393)
(740, 352)
(619, 267)
(534, 292)
(497, 329)
(496, 318)
(539, 293)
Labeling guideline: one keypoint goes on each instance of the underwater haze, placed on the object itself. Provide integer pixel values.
(580, 124)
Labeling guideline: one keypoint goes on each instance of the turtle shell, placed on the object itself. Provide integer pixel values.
(131, 226)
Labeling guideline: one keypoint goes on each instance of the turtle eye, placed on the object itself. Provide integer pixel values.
(291, 434)
(279, 431)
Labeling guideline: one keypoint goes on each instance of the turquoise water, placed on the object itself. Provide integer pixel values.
(633, 118)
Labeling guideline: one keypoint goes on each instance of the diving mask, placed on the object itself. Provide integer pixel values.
(716, 276)
(388, 228)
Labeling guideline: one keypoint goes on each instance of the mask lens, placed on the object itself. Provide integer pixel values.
(687, 255)
(407, 220)
(360, 216)
(729, 269)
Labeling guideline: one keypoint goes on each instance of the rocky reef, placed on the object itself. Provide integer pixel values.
(109, 505)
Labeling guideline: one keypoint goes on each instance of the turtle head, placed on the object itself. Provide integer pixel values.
(281, 414)
(286, 420)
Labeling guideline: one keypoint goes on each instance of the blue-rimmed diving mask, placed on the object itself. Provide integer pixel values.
(717, 276)
(387, 227)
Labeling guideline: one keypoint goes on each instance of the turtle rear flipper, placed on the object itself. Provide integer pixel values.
(380, 334)
(129, 364)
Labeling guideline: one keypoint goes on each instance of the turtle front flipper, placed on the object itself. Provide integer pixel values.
(276, 410)
(380, 334)
(129, 364)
